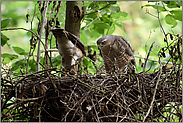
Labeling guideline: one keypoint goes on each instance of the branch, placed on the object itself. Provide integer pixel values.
(153, 60)
(160, 21)
(26, 30)
(89, 24)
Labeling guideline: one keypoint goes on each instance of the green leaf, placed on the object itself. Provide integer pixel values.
(4, 23)
(32, 64)
(4, 39)
(115, 8)
(17, 65)
(100, 26)
(119, 24)
(85, 61)
(92, 34)
(99, 30)
(120, 16)
(107, 19)
(161, 8)
(173, 4)
(170, 20)
(124, 14)
(20, 51)
(93, 5)
(177, 14)
(6, 61)
(10, 56)
(84, 38)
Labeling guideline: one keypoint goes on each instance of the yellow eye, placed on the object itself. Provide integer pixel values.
(103, 43)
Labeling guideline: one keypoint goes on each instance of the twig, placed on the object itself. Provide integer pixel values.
(89, 24)
(40, 34)
(31, 38)
(34, 73)
(147, 12)
(151, 105)
(95, 110)
(159, 20)
(25, 30)
(30, 99)
(87, 85)
(40, 110)
(152, 60)
(75, 105)
(147, 57)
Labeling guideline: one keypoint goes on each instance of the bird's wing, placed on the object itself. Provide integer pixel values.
(74, 39)
(128, 49)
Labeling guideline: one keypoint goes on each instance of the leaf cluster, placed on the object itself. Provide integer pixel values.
(172, 8)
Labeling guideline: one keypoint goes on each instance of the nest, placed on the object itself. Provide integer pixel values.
(45, 96)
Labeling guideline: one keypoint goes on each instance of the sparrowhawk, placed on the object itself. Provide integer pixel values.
(70, 47)
(117, 54)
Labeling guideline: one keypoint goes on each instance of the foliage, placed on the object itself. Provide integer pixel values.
(170, 7)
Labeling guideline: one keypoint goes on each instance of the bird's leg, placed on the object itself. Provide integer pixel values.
(64, 71)
(75, 70)
(63, 66)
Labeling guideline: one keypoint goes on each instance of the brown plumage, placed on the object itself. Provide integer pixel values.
(117, 54)
(70, 47)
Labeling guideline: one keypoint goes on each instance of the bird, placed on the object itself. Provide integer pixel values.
(71, 49)
(117, 54)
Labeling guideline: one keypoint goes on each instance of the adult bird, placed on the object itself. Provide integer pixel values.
(70, 47)
(117, 54)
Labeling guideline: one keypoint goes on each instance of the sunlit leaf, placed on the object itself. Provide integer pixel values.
(10, 56)
(161, 8)
(173, 4)
(177, 14)
(5, 22)
(4, 39)
(170, 20)
(20, 51)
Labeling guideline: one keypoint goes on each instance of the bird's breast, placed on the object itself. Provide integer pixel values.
(67, 48)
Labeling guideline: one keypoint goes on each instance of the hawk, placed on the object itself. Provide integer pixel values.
(117, 54)
(70, 47)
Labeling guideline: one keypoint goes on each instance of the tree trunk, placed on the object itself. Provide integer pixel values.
(73, 17)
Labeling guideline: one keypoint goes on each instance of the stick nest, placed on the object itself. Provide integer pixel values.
(44, 96)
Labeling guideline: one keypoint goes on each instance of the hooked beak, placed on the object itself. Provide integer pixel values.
(99, 47)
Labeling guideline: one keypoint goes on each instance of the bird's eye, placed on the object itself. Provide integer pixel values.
(103, 43)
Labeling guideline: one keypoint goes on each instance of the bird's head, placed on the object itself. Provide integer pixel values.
(104, 42)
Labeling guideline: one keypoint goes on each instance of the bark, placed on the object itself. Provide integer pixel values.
(73, 17)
